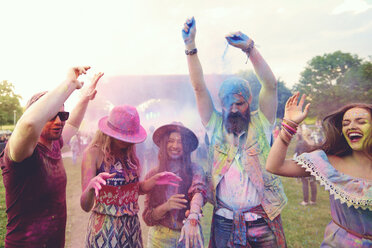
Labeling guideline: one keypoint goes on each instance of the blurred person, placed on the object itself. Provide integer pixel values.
(305, 144)
(247, 200)
(3, 139)
(343, 166)
(150, 152)
(75, 144)
(33, 173)
(2, 146)
(166, 206)
(201, 153)
(317, 134)
(110, 180)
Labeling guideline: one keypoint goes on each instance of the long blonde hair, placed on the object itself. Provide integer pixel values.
(104, 143)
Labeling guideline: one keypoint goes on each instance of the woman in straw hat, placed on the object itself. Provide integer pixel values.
(343, 167)
(166, 205)
(110, 180)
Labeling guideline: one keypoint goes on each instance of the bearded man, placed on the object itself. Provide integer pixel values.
(247, 199)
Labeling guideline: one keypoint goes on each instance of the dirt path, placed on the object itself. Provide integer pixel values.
(77, 219)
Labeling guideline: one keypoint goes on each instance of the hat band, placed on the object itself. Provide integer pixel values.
(120, 130)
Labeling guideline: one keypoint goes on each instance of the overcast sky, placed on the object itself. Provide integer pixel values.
(40, 40)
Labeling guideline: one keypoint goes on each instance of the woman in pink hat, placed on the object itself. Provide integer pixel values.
(166, 205)
(110, 181)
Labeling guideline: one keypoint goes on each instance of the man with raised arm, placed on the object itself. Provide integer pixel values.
(247, 199)
(32, 167)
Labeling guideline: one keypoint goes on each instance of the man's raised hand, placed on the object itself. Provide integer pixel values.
(189, 31)
(75, 72)
(238, 39)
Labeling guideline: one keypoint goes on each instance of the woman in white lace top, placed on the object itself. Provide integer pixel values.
(343, 166)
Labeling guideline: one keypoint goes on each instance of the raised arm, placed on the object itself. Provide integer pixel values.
(26, 134)
(77, 114)
(268, 100)
(276, 162)
(203, 98)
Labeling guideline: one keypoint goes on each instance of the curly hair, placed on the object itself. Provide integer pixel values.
(335, 143)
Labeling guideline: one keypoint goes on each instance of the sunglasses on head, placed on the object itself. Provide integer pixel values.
(63, 116)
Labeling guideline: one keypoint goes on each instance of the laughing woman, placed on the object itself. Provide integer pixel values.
(343, 166)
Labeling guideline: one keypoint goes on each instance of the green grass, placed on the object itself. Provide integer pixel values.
(7, 127)
(304, 225)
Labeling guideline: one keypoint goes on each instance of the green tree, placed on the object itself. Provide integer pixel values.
(334, 79)
(283, 92)
(9, 101)
(356, 85)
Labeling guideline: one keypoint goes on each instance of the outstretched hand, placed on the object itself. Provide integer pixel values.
(293, 108)
(191, 234)
(75, 72)
(189, 31)
(91, 91)
(238, 39)
(167, 178)
(96, 182)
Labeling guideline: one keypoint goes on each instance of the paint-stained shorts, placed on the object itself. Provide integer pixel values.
(162, 237)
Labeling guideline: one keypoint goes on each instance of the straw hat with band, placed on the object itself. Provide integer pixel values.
(191, 138)
(123, 123)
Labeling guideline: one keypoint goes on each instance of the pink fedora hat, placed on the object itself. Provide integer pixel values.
(123, 123)
(190, 137)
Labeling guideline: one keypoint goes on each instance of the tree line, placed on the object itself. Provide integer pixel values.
(329, 81)
(10, 107)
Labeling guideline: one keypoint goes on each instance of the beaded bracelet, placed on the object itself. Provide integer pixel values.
(191, 52)
(248, 50)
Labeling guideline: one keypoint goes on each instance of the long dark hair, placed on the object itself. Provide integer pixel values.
(335, 143)
(185, 158)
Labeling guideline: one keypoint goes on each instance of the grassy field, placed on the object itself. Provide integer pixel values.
(7, 127)
(303, 225)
